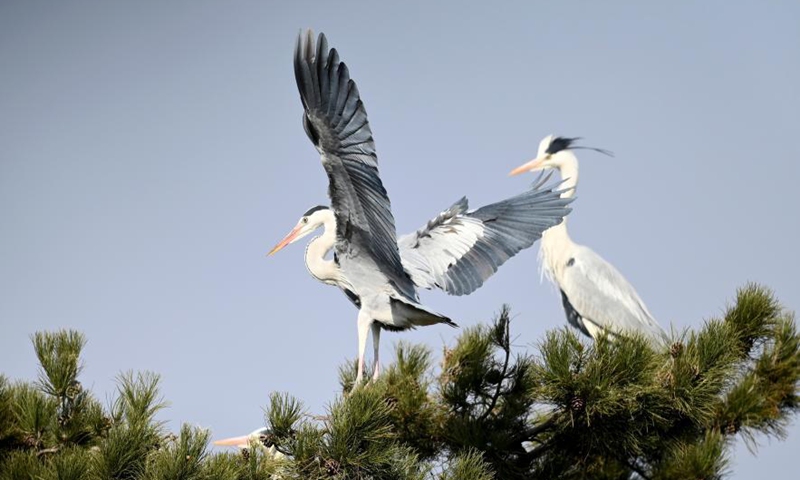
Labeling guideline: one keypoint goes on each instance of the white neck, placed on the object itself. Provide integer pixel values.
(568, 169)
(321, 269)
(556, 244)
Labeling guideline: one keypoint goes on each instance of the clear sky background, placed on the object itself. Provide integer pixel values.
(151, 153)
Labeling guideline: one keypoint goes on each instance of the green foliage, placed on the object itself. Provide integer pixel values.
(69, 464)
(181, 458)
(470, 465)
(486, 401)
(21, 465)
(355, 440)
(59, 354)
(284, 412)
(703, 458)
(254, 465)
(616, 408)
(35, 416)
(7, 427)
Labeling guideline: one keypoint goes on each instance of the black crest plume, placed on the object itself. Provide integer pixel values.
(315, 209)
(564, 143)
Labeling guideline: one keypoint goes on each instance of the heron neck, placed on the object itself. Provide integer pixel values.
(318, 248)
(569, 176)
(556, 243)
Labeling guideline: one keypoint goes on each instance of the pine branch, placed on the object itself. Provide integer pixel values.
(610, 409)
(502, 339)
(59, 354)
(530, 434)
(468, 465)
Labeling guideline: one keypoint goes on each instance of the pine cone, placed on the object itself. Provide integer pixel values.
(267, 440)
(577, 404)
(64, 417)
(493, 377)
(29, 440)
(332, 466)
(676, 349)
(73, 390)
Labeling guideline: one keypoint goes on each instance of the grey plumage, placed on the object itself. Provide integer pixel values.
(596, 292)
(336, 122)
(597, 299)
(573, 317)
(458, 250)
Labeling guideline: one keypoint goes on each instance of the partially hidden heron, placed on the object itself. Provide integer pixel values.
(596, 297)
(456, 251)
(260, 437)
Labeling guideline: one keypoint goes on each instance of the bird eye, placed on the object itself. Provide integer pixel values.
(305, 220)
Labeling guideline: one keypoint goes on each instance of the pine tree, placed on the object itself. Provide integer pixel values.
(570, 409)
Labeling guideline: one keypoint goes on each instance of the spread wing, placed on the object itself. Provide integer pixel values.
(459, 249)
(598, 293)
(336, 122)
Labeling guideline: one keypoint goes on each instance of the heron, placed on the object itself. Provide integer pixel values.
(260, 437)
(596, 297)
(456, 251)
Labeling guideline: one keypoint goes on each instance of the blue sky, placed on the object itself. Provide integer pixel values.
(151, 153)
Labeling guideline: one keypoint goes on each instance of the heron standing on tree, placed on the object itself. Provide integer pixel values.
(261, 437)
(596, 297)
(456, 251)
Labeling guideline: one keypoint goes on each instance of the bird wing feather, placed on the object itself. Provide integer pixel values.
(573, 317)
(600, 294)
(458, 250)
(336, 122)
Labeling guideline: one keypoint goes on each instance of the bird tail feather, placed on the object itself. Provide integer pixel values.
(416, 314)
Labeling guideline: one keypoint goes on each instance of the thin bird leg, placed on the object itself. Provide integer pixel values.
(364, 323)
(376, 342)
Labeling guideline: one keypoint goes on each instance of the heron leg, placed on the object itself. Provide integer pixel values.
(364, 323)
(376, 342)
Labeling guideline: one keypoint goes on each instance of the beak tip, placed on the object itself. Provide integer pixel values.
(286, 241)
(240, 442)
(531, 166)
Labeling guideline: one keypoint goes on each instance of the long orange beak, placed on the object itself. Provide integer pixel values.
(528, 167)
(286, 240)
(241, 442)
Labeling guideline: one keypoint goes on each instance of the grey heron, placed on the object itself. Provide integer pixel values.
(259, 437)
(456, 251)
(595, 296)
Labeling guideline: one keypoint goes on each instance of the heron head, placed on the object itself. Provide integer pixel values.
(554, 152)
(245, 440)
(310, 221)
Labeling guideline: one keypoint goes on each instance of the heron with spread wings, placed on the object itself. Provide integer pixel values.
(456, 251)
(596, 297)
